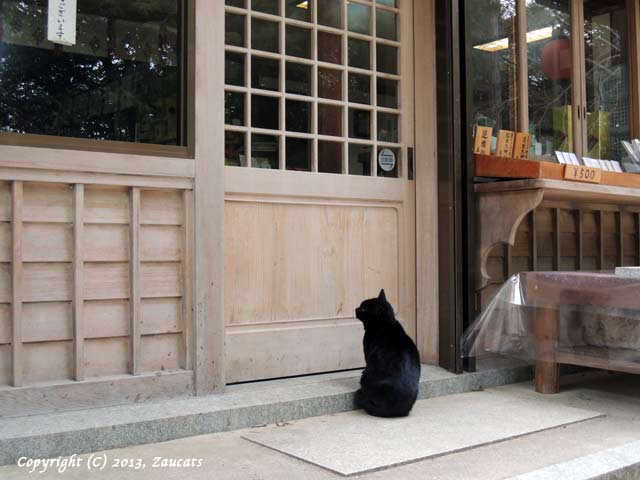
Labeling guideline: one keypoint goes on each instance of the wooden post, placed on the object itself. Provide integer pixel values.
(579, 239)
(16, 282)
(78, 282)
(619, 221)
(557, 254)
(547, 370)
(600, 239)
(533, 240)
(134, 279)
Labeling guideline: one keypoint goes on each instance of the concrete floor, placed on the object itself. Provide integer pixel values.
(229, 456)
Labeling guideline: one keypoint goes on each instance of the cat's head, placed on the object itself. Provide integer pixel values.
(375, 309)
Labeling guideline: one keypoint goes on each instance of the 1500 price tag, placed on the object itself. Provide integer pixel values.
(581, 173)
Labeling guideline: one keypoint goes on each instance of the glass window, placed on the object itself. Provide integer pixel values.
(326, 96)
(607, 69)
(550, 84)
(122, 80)
(492, 63)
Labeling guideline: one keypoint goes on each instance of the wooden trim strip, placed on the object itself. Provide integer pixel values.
(95, 162)
(49, 176)
(17, 359)
(522, 66)
(78, 283)
(134, 265)
(556, 240)
(187, 268)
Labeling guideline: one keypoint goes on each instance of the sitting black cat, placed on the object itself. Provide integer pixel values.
(389, 383)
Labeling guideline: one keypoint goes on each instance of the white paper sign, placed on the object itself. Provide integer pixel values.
(387, 160)
(62, 22)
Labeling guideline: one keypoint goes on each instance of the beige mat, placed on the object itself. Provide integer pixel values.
(352, 443)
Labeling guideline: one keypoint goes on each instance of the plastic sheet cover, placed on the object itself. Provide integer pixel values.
(563, 317)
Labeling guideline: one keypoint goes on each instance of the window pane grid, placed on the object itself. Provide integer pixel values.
(334, 135)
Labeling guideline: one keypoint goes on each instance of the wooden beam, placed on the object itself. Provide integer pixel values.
(209, 198)
(134, 279)
(78, 282)
(188, 272)
(17, 359)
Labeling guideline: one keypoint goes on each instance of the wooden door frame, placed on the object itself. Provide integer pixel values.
(426, 174)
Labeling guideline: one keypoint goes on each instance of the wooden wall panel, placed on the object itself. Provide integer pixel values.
(45, 362)
(106, 243)
(47, 242)
(161, 207)
(47, 282)
(5, 323)
(161, 243)
(5, 364)
(5, 283)
(106, 205)
(105, 357)
(161, 315)
(47, 203)
(160, 352)
(106, 281)
(158, 280)
(5, 202)
(106, 318)
(45, 322)
(5, 242)
(348, 253)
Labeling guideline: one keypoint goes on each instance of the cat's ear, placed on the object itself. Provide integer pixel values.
(382, 296)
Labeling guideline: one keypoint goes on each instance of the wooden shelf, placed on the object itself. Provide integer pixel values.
(501, 167)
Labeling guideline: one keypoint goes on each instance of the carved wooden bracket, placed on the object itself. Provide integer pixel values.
(499, 215)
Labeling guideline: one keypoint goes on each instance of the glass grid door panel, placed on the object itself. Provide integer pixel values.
(313, 87)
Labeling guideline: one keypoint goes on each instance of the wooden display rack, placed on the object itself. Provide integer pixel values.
(502, 167)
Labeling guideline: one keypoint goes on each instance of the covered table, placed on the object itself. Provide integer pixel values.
(551, 318)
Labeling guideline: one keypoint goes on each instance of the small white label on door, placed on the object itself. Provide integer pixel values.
(387, 160)
(62, 22)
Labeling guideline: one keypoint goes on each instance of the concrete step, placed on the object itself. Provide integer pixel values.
(605, 447)
(242, 406)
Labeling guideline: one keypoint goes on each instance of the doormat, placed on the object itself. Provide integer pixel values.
(354, 443)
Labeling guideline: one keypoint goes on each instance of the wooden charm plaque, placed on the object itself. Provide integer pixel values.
(483, 140)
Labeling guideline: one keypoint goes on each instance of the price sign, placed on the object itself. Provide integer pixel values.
(581, 173)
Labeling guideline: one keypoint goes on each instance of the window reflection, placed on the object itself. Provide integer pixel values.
(550, 87)
(121, 81)
(492, 63)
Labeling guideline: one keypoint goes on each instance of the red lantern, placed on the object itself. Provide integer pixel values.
(556, 59)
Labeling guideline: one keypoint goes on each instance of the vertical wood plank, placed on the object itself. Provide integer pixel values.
(600, 220)
(579, 239)
(508, 261)
(134, 279)
(209, 196)
(78, 282)
(556, 239)
(620, 239)
(634, 64)
(187, 268)
(17, 357)
(533, 241)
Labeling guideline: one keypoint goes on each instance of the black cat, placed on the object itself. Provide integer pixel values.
(389, 383)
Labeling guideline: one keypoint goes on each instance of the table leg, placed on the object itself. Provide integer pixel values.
(547, 371)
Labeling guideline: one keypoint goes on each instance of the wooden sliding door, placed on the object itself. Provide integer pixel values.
(320, 198)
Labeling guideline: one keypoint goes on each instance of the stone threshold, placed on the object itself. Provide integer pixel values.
(241, 406)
